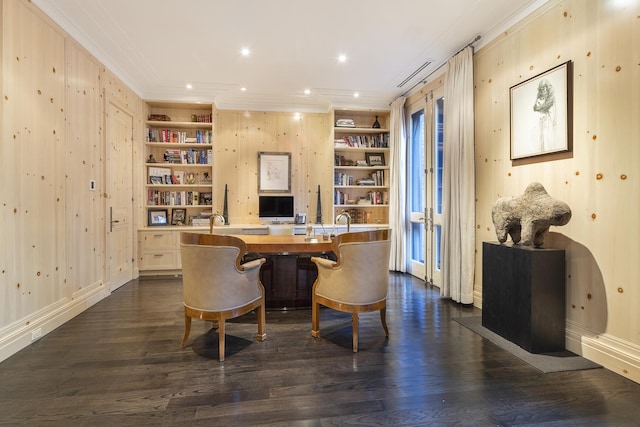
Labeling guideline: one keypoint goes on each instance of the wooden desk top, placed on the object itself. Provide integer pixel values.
(284, 244)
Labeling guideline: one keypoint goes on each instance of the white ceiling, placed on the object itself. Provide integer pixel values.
(158, 46)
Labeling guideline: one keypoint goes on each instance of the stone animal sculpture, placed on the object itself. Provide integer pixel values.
(527, 218)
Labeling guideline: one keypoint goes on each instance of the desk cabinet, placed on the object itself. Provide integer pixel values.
(159, 251)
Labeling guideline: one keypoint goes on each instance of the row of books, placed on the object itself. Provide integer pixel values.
(191, 156)
(359, 216)
(179, 136)
(162, 175)
(202, 118)
(343, 178)
(371, 198)
(366, 141)
(178, 198)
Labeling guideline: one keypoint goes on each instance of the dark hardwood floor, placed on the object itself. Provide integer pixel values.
(120, 364)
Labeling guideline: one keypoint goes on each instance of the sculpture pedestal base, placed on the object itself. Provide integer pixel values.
(523, 295)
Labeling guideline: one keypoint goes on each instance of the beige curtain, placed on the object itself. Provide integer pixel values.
(397, 187)
(458, 229)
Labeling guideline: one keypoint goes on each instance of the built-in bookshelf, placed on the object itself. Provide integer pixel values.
(178, 164)
(361, 171)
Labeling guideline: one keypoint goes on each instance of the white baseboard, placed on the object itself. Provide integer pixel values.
(22, 333)
(612, 353)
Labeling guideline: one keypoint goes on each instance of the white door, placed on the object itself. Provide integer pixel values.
(425, 124)
(434, 149)
(416, 189)
(119, 195)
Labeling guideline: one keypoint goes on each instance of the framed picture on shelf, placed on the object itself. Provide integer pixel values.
(157, 217)
(178, 216)
(541, 113)
(156, 180)
(375, 159)
(190, 178)
(274, 172)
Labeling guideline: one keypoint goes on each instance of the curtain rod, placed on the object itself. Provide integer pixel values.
(424, 80)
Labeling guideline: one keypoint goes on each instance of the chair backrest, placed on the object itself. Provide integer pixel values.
(362, 267)
(359, 237)
(212, 274)
(281, 230)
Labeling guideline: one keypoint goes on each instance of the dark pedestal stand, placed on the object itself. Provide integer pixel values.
(523, 295)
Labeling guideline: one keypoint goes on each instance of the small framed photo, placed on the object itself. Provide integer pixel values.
(178, 216)
(156, 180)
(157, 217)
(375, 159)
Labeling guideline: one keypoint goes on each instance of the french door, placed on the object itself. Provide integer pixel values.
(424, 187)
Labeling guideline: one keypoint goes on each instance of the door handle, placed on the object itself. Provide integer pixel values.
(111, 220)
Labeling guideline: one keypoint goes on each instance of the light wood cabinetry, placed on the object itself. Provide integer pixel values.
(361, 171)
(178, 163)
(159, 250)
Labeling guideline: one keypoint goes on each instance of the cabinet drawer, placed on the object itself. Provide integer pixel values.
(152, 240)
(159, 260)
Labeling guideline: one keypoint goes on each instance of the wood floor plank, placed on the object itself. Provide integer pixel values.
(120, 363)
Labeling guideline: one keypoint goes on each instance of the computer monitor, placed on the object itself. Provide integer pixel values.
(275, 209)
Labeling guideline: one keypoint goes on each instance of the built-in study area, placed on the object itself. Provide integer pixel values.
(100, 181)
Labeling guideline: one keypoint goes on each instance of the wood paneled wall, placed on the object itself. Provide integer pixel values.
(52, 249)
(240, 135)
(599, 181)
(32, 249)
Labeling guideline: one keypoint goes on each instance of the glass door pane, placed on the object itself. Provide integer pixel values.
(415, 187)
(436, 219)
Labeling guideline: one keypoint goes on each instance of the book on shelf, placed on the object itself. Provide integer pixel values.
(200, 222)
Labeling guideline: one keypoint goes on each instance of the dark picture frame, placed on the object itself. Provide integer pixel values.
(375, 159)
(156, 180)
(542, 113)
(274, 172)
(178, 216)
(157, 217)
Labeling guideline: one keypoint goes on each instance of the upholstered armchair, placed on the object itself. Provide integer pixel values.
(216, 286)
(357, 282)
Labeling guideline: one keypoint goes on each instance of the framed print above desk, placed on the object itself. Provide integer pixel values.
(274, 172)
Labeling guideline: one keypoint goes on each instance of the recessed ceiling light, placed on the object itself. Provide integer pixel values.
(356, 94)
(342, 58)
(307, 91)
(245, 51)
(189, 86)
(244, 89)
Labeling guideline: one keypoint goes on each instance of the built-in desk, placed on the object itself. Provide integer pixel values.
(288, 274)
(274, 244)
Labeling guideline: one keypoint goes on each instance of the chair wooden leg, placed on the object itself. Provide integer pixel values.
(221, 339)
(262, 334)
(315, 318)
(187, 330)
(354, 326)
(383, 318)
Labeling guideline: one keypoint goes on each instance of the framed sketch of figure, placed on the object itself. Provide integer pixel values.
(541, 113)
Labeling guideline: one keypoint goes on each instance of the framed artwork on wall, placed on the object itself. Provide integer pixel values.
(541, 113)
(274, 172)
(157, 217)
